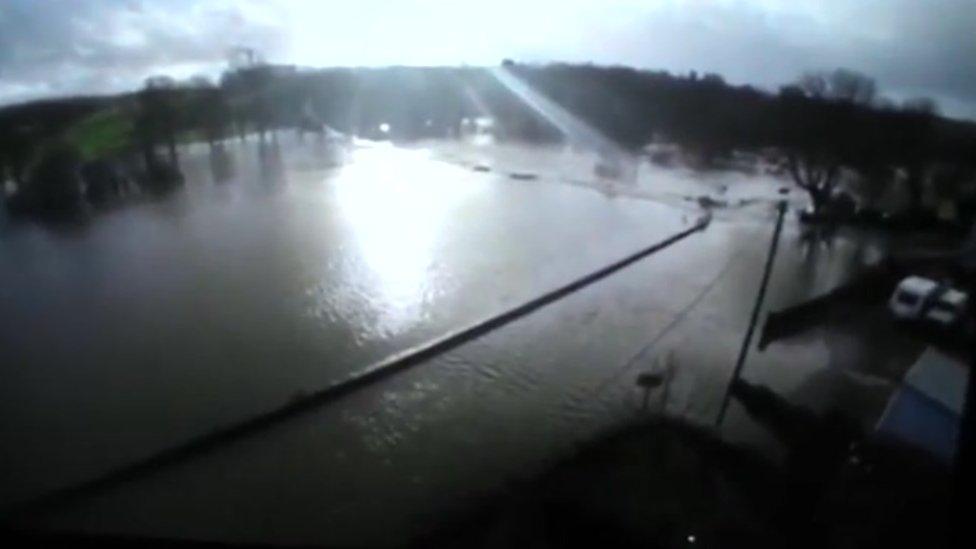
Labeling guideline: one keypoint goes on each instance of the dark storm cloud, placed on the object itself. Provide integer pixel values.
(931, 48)
(50, 47)
(913, 47)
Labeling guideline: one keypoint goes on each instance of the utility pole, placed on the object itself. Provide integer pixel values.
(754, 319)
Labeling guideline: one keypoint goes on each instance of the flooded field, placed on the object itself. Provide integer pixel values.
(283, 267)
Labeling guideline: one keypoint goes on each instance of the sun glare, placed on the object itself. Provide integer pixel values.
(396, 203)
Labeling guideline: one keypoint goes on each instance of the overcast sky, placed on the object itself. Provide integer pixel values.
(912, 47)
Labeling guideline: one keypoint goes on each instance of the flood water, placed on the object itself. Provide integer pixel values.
(281, 268)
(163, 319)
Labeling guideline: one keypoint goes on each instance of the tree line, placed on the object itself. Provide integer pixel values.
(825, 127)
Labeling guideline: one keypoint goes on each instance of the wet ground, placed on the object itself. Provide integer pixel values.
(282, 268)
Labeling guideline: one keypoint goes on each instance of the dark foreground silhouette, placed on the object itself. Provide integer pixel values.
(663, 483)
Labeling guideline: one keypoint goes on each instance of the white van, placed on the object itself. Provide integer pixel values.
(918, 298)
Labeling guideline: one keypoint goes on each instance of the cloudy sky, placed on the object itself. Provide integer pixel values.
(912, 47)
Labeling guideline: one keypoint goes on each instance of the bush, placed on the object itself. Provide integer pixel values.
(103, 181)
(54, 182)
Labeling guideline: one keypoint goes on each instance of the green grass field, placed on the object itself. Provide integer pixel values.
(102, 134)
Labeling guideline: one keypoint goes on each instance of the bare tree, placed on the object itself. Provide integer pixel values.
(819, 143)
(921, 105)
(200, 82)
(813, 84)
(917, 144)
(207, 110)
(852, 87)
(817, 174)
(839, 85)
(243, 58)
(249, 84)
(157, 117)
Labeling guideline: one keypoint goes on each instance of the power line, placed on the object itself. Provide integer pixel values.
(393, 364)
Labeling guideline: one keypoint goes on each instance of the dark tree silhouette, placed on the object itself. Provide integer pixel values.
(16, 150)
(829, 128)
(839, 85)
(157, 121)
(55, 183)
(915, 145)
(207, 110)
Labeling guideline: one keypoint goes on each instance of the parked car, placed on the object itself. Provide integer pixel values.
(923, 299)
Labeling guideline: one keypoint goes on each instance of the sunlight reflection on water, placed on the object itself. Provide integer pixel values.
(396, 203)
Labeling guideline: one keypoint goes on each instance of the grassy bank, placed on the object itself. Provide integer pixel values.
(104, 133)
